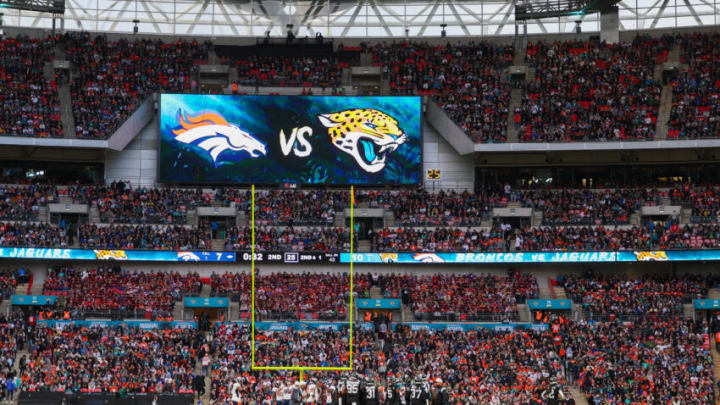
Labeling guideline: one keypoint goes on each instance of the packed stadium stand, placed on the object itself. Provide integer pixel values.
(232, 205)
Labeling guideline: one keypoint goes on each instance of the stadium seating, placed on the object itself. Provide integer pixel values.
(286, 239)
(23, 203)
(29, 234)
(122, 360)
(289, 71)
(8, 282)
(144, 237)
(28, 98)
(311, 208)
(283, 296)
(634, 362)
(545, 239)
(112, 292)
(651, 297)
(591, 91)
(112, 78)
(12, 338)
(581, 90)
(638, 347)
(466, 80)
(696, 107)
(469, 297)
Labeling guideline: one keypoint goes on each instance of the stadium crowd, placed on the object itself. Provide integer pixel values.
(609, 297)
(111, 291)
(33, 234)
(465, 80)
(28, 97)
(613, 363)
(649, 361)
(598, 238)
(319, 239)
(470, 297)
(581, 91)
(11, 278)
(695, 111)
(112, 78)
(592, 91)
(156, 206)
(497, 238)
(289, 296)
(13, 335)
(640, 349)
(19, 203)
(157, 237)
(120, 360)
(303, 72)
(280, 207)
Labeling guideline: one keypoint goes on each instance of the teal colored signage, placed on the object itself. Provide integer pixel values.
(209, 302)
(534, 257)
(549, 304)
(33, 300)
(707, 304)
(116, 255)
(508, 257)
(142, 324)
(378, 304)
(304, 326)
(465, 327)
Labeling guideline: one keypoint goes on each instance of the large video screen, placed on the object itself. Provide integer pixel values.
(231, 139)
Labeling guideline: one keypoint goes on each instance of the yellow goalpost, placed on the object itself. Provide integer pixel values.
(252, 298)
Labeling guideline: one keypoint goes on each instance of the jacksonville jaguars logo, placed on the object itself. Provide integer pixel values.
(368, 135)
(212, 133)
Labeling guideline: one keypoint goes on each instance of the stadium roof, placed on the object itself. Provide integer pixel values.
(353, 19)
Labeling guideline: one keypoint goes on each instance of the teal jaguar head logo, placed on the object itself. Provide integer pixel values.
(367, 135)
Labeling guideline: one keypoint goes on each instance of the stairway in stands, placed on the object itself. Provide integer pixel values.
(515, 98)
(666, 99)
(64, 97)
(515, 103)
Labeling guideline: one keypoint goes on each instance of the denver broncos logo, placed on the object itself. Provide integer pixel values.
(188, 257)
(215, 135)
(655, 256)
(110, 254)
(367, 135)
(428, 258)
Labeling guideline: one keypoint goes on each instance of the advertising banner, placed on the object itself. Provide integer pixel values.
(117, 254)
(242, 139)
(513, 257)
(378, 304)
(142, 324)
(706, 304)
(203, 302)
(472, 326)
(40, 300)
(550, 304)
(669, 256)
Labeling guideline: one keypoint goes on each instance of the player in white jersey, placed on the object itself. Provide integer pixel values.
(312, 394)
(235, 392)
(285, 393)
